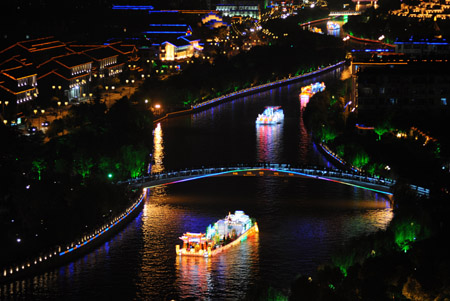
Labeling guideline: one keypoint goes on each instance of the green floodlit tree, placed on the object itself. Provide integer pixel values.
(344, 260)
(82, 165)
(409, 231)
(340, 150)
(327, 134)
(38, 166)
(360, 159)
(382, 128)
(133, 159)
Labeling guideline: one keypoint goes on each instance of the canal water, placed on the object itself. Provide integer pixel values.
(302, 221)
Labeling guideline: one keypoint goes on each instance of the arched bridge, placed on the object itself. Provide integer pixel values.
(376, 184)
(344, 13)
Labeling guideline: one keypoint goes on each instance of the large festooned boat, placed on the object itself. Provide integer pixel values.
(220, 236)
(271, 115)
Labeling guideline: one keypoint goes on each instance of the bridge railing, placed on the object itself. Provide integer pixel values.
(288, 168)
(309, 170)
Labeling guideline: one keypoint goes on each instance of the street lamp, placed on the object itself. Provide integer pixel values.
(4, 103)
(106, 88)
(42, 113)
(157, 107)
(59, 105)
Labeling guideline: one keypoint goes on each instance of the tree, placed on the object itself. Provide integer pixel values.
(382, 128)
(82, 165)
(38, 166)
(133, 158)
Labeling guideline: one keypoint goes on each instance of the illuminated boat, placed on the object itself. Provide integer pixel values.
(271, 115)
(332, 25)
(308, 91)
(220, 236)
(316, 30)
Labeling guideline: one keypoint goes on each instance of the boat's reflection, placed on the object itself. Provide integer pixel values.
(202, 277)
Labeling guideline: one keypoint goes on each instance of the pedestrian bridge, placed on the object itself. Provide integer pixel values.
(376, 184)
(344, 13)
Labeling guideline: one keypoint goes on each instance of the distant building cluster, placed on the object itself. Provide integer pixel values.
(46, 64)
(435, 9)
(251, 10)
(425, 47)
(412, 87)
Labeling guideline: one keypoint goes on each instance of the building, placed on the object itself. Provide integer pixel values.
(437, 47)
(250, 10)
(73, 72)
(212, 20)
(18, 84)
(434, 9)
(413, 86)
(179, 49)
(59, 68)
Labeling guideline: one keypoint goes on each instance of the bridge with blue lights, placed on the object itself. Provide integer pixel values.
(376, 184)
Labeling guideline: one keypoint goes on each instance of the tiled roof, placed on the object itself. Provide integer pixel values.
(72, 60)
(19, 72)
(101, 53)
(178, 42)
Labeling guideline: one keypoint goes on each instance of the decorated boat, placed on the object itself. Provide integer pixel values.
(308, 91)
(316, 30)
(271, 115)
(332, 25)
(220, 236)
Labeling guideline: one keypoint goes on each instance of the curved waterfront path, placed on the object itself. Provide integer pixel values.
(248, 91)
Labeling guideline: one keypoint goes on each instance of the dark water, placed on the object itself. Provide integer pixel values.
(301, 221)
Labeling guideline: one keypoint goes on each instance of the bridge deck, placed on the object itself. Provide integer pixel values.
(274, 170)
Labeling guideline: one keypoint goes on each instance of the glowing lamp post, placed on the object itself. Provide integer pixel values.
(42, 113)
(106, 88)
(35, 112)
(157, 109)
(4, 103)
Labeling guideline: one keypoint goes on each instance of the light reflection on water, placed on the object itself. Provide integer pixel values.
(158, 150)
(301, 221)
(231, 272)
(268, 142)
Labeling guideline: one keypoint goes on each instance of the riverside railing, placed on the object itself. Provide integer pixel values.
(59, 253)
(265, 86)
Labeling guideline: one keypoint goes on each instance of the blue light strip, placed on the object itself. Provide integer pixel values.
(133, 7)
(264, 86)
(423, 43)
(123, 216)
(166, 32)
(183, 25)
(274, 170)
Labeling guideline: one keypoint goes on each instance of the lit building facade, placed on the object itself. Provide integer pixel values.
(18, 85)
(425, 10)
(179, 49)
(251, 10)
(58, 68)
(423, 47)
(74, 72)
